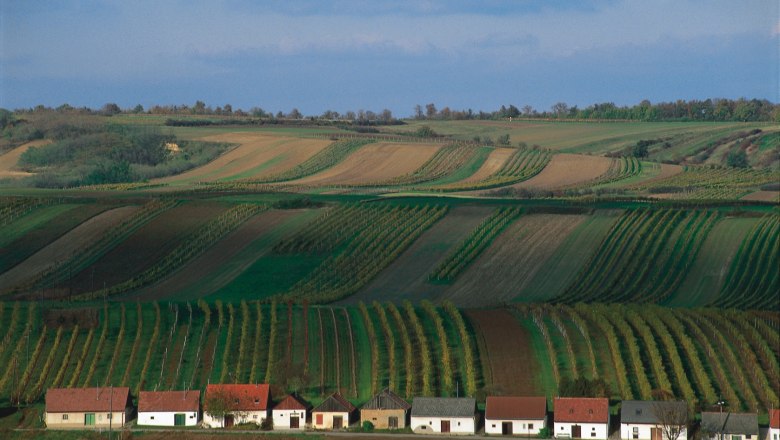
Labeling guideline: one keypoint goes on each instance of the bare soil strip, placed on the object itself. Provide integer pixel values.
(9, 160)
(493, 163)
(88, 232)
(217, 258)
(406, 277)
(504, 269)
(764, 196)
(510, 357)
(568, 170)
(257, 155)
(374, 163)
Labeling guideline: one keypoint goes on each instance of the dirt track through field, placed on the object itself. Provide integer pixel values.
(257, 155)
(374, 163)
(510, 358)
(189, 279)
(60, 250)
(406, 277)
(9, 160)
(568, 170)
(504, 269)
(493, 163)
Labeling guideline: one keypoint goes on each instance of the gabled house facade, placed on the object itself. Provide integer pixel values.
(653, 420)
(88, 408)
(290, 414)
(226, 405)
(386, 410)
(169, 408)
(508, 415)
(729, 426)
(444, 415)
(581, 417)
(774, 424)
(335, 412)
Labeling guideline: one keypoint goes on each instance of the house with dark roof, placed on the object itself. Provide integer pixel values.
(386, 410)
(728, 425)
(653, 420)
(510, 415)
(581, 417)
(290, 413)
(774, 424)
(169, 408)
(335, 412)
(444, 415)
(228, 404)
(87, 408)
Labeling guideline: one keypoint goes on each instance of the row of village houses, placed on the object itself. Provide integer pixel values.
(573, 417)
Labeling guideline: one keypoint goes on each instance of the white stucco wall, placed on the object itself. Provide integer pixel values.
(589, 430)
(519, 427)
(76, 419)
(282, 418)
(166, 418)
(627, 431)
(327, 419)
(256, 417)
(774, 433)
(432, 425)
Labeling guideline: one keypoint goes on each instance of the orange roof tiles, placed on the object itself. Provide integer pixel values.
(168, 401)
(62, 400)
(581, 409)
(243, 397)
(515, 408)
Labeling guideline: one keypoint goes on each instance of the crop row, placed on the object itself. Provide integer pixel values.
(619, 169)
(328, 157)
(712, 182)
(523, 164)
(366, 254)
(470, 248)
(753, 280)
(12, 208)
(446, 161)
(192, 246)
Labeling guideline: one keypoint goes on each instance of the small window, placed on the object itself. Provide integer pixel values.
(192, 416)
(494, 425)
(108, 416)
(590, 411)
(430, 423)
(635, 433)
(236, 400)
(530, 426)
(592, 434)
(374, 418)
(257, 401)
(571, 410)
(458, 423)
(65, 417)
(152, 417)
(254, 416)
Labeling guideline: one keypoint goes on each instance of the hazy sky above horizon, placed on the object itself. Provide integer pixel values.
(350, 55)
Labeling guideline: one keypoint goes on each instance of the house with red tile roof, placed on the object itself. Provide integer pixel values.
(774, 424)
(225, 405)
(85, 408)
(335, 412)
(581, 417)
(169, 408)
(510, 415)
(290, 414)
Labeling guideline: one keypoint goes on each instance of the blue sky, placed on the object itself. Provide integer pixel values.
(350, 55)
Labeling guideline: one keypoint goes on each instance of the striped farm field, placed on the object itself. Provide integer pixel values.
(503, 167)
(710, 182)
(565, 170)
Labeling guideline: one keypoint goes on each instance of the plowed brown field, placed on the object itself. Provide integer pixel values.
(764, 196)
(258, 155)
(507, 353)
(189, 280)
(9, 160)
(493, 163)
(502, 271)
(374, 163)
(88, 232)
(568, 170)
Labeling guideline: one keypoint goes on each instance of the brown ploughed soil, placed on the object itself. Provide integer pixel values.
(764, 196)
(493, 163)
(568, 170)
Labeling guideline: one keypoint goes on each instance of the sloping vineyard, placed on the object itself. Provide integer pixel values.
(521, 165)
(328, 157)
(712, 182)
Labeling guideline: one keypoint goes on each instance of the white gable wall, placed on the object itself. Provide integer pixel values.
(432, 425)
(327, 419)
(627, 431)
(774, 433)
(519, 427)
(282, 418)
(589, 430)
(160, 418)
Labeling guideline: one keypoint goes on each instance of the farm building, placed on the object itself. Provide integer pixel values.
(508, 415)
(774, 424)
(290, 413)
(653, 420)
(335, 412)
(228, 404)
(581, 417)
(386, 410)
(444, 415)
(734, 426)
(169, 408)
(88, 407)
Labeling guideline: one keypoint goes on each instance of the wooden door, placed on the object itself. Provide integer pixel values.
(294, 422)
(576, 431)
(89, 419)
(445, 426)
(506, 428)
(338, 422)
(655, 433)
(229, 421)
(179, 419)
(318, 419)
(392, 422)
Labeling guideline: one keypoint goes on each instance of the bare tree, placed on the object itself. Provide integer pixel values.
(672, 418)
(430, 110)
